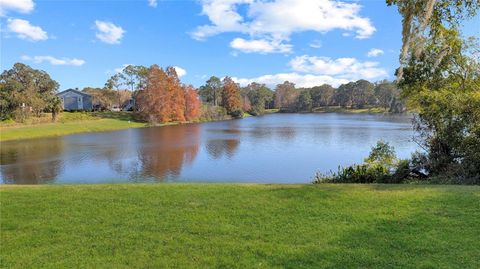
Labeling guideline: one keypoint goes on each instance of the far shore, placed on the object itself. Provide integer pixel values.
(86, 122)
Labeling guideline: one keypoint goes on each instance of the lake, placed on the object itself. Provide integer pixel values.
(275, 148)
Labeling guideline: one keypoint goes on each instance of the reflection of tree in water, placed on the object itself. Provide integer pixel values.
(219, 147)
(167, 149)
(286, 133)
(31, 162)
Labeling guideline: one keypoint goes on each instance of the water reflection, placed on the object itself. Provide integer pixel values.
(33, 162)
(165, 153)
(217, 148)
(274, 148)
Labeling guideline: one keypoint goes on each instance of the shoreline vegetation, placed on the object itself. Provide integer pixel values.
(199, 225)
(69, 123)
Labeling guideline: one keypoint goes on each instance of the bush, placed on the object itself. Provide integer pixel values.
(213, 113)
(381, 166)
(363, 173)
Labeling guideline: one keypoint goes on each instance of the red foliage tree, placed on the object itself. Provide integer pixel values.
(192, 103)
(176, 101)
(231, 98)
(163, 99)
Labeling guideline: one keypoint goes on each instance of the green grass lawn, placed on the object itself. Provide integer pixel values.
(240, 226)
(70, 123)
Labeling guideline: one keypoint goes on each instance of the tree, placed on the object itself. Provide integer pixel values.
(439, 76)
(192, 103)
(231, 98)
(362, 94)
(343, 96)
(260, 97)
(211, 92)
(114, 83)
(322, 95)
(176, 102)
(285, 96)
(152, 102)
(24, 89)
(304, 103)
(385, 92)
(164, 99)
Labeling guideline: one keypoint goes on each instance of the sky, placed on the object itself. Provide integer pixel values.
(309, 42)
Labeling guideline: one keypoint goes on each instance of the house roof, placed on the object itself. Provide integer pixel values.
(75, 91)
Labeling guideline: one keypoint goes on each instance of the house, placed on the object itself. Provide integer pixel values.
(129, 105)
(75, 100)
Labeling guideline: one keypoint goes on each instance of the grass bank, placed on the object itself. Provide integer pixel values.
(69, 123)
(338, 109)
(240, 226)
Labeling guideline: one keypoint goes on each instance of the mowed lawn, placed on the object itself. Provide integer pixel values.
(240, 226)
(70, 123)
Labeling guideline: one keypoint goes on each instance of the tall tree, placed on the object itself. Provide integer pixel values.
(385, 92)
(192, 103)
(231, 98)
(177, 97)
(285, 96)
(439, 77)
(260, 97)
(211, 92)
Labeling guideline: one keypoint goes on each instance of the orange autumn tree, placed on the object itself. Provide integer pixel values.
(163, 99)
(150, 101)
(176, 102)
(231, 99)
(192, 103)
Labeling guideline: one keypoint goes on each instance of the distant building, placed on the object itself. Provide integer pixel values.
(75, 100)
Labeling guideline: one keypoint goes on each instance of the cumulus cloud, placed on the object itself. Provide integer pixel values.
(300, 80)
(108, 32)
(275, 21)
(24, 30)
(54, 61)
(261, 46)
(21, 6)
(180, 71)
(309, 71)
(375, 52)
(152, 3)
(348, 68)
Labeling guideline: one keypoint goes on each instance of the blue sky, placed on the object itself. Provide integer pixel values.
(82, 43)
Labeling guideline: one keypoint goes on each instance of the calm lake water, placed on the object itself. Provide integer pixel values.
(276, 148)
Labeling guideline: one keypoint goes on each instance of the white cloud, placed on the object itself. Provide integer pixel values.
(276, 20)
(316, 44)
(260, 46)
(25, 30)
(348, 68)
(309, 71)
(180, 71)
(21, 6)
(54, 61)
(152, 3)
(300, 80)
(375, 52)
(108, 32)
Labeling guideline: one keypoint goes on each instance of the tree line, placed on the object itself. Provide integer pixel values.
(256, 98)
(160, 96)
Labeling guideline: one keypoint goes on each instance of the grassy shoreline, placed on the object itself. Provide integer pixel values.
(70, 123)
(239, 226)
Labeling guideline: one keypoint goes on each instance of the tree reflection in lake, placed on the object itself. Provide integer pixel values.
(165, 153)
(19, 162)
